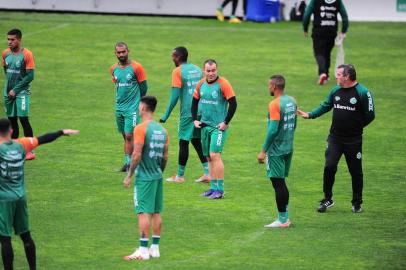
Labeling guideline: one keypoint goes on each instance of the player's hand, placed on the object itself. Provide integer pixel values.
(197, 124)
(261, 157)
(305, 34)
(127, 181)
(343, 35)
(161, 121)
(303, 114)
(222, 126)
(12, 94)
(70, 132)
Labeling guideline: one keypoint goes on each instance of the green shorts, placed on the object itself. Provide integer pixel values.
(126, 121)
(187, 130)
(13, 214)
(148, 196)
(278, 166)
(213, 140)
(20, 106)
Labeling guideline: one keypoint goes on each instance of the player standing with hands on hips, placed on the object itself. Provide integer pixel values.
(353, 109)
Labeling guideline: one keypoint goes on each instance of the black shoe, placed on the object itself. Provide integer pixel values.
(356, 208)
(125, 168)
(324, 204)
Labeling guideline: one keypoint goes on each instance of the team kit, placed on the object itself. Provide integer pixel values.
(208, 103)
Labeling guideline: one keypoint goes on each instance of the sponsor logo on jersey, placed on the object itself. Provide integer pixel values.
(328, 23)
(353, 100)
(341, 107)
(370, 104)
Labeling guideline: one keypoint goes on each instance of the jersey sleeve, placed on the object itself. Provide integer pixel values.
(176, 78)
(113, 79)
(139, 72)
(28, 59)
(3, 56)
(274, 110)
(226, 89)
(139, 134)
(196, 94)
(29, 143)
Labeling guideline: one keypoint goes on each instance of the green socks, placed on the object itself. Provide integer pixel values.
(283, 216)
(155, 239)
(181, 171)
(220, 185)
(205, 168)
(127, 159)
(213, 184)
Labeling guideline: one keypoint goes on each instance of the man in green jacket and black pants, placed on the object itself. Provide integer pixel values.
(325, 26)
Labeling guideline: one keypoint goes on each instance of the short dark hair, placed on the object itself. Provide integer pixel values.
(15, 32)
(349, 70)
(150, 101)
(279, 81)
(182, 53)
(5, 126)
(210, 62)
(121, 44)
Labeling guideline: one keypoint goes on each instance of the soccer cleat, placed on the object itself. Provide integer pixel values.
(356, 208)
(278, 224)
(176, 179)
(125, 168)
(323, 79)
(137, 255)
(203, 179)
(154, 252)
(220, 15)
(234, 20)
(30, 156)
(207, 193)
(324, 204)
(216, 195)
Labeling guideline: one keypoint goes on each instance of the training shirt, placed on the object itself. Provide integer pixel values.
(127, 80)
(185, 77)
(353, 109)
(12, 159)
(213, 100)
(325, 21)
(281, 126)
(16, 66)
(153, 137)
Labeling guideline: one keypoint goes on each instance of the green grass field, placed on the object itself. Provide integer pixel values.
(82, 217)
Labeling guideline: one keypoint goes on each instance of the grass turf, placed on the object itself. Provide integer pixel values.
(82, 217)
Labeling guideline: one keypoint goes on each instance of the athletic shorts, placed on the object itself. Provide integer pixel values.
(213, 140)
(187, 130)
(148, 196)
(278, 166)
(19, 106)
(126, 121)
(13, 215)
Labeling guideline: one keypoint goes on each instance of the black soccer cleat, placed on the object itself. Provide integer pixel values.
(356, 208)
(324, 204)
(125, 168)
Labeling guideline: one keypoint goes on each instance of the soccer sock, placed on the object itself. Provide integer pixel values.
(7, 252)
(181, 170)
(205, 168)
(213, 184)
(220, 184)
(283, 216)
(127, 159)
(144, 244)
(156, 239)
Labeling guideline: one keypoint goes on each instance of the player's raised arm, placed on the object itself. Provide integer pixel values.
(30, 143)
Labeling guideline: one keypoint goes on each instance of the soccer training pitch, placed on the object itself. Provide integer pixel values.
(83, 218)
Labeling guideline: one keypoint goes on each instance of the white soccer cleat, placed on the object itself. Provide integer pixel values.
(203, 179)
(137, 255)
(278, 224)
(154, 252)
(176, 179)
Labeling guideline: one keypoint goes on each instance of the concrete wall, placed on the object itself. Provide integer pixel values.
(358, 10)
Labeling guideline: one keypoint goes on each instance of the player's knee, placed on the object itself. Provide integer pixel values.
(330, 168)
(215, 156)
(5, 240)
(128, 137)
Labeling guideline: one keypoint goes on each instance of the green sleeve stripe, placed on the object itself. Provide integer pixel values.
(175, 93)
(344, 17)
(307, 15)
(326, 105)
(271, 134)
